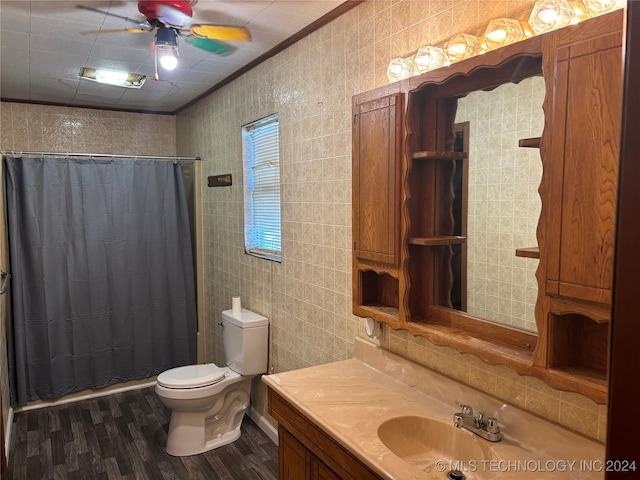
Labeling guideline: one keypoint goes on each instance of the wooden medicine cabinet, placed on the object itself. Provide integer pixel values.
(414, 260)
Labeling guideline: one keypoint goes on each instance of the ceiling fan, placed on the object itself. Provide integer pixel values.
(171, 19)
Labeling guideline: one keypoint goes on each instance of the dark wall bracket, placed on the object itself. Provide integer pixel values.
(219, 180)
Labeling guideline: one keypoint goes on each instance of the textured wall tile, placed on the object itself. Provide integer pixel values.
(544, 405)
(308, 296)
(578, 419)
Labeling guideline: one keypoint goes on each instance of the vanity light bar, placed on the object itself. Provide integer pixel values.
(546, 15)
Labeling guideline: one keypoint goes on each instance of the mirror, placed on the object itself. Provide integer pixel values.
(431, 288)
(498, 203)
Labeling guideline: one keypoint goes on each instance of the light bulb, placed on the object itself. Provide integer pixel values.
(502, 31)
(429, 58)
(462, 46)
(551, 14)
(168, 60)
(111, 77)
(597, 7)
(400, 68)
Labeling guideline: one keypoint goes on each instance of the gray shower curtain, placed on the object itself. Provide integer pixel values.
(102, 273)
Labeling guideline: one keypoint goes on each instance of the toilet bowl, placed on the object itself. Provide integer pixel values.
(208, 402)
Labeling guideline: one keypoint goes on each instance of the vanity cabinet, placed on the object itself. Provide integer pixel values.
(293, 458)
(319, 471)
(418, 285)
(296, 462)
(306, 452)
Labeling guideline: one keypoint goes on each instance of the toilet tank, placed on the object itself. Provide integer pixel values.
(245, 340)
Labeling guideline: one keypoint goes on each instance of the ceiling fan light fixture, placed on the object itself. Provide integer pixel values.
(113, 77)
(167, 48)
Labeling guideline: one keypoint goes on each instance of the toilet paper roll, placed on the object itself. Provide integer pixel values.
(236, 307)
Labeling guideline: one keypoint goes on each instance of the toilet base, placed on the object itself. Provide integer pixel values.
(192, 433)
(185, 441)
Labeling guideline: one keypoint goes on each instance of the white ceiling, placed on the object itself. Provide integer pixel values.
(42, 51)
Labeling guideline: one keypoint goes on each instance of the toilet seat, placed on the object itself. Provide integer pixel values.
(191, 376)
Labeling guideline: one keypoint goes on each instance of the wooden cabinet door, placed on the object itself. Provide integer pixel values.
(321, 472)
(293, 458)
(585, 147)
(297, 462)
(377, 131)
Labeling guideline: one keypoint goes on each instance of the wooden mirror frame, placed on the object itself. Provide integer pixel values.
(570, 350)
(623, 442)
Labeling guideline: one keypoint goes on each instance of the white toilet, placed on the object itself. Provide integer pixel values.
(207, 401)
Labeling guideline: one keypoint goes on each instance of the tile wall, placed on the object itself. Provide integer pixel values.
(308, 296)
(67, 129)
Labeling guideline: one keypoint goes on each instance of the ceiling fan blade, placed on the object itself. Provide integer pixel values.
(125, 30)
(221, 32)
(213, 46)
(143, 24)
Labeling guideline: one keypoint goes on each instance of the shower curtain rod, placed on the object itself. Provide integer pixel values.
(20, 153)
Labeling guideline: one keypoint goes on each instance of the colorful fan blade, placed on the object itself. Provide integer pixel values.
(221, 32)
(213, 46)
(126, 30)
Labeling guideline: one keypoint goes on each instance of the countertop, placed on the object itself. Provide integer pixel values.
(350, 399)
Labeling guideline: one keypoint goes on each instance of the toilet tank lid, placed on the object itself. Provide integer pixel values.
(191, 376)
(244, 319)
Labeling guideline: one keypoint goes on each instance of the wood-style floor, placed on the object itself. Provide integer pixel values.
(122, 436)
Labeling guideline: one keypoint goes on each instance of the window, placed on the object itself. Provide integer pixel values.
(261, 157)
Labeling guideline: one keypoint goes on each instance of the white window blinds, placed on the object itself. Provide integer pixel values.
(262, 226)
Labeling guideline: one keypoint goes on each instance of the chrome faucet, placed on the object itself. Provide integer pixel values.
(487, 429)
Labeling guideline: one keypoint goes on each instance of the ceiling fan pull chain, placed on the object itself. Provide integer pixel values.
(155, 64)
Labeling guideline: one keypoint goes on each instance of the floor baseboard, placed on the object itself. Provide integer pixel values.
(262, 423)
(7, 433)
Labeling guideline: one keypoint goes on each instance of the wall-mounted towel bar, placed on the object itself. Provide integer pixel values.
(5, 276)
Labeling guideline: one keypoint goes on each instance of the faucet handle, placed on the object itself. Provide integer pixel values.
(466, 409)
(492, 425)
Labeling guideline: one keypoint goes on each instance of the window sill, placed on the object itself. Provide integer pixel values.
(265, 255)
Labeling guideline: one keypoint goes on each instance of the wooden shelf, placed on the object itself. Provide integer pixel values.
(530, 142)
(533, 252)
(436, 241)
(380, 313)
(597, 378)
(383, 309)
(433, 155)
(485, 345)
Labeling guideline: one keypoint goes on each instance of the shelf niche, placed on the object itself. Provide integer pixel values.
(579, 346)
(380, 291)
